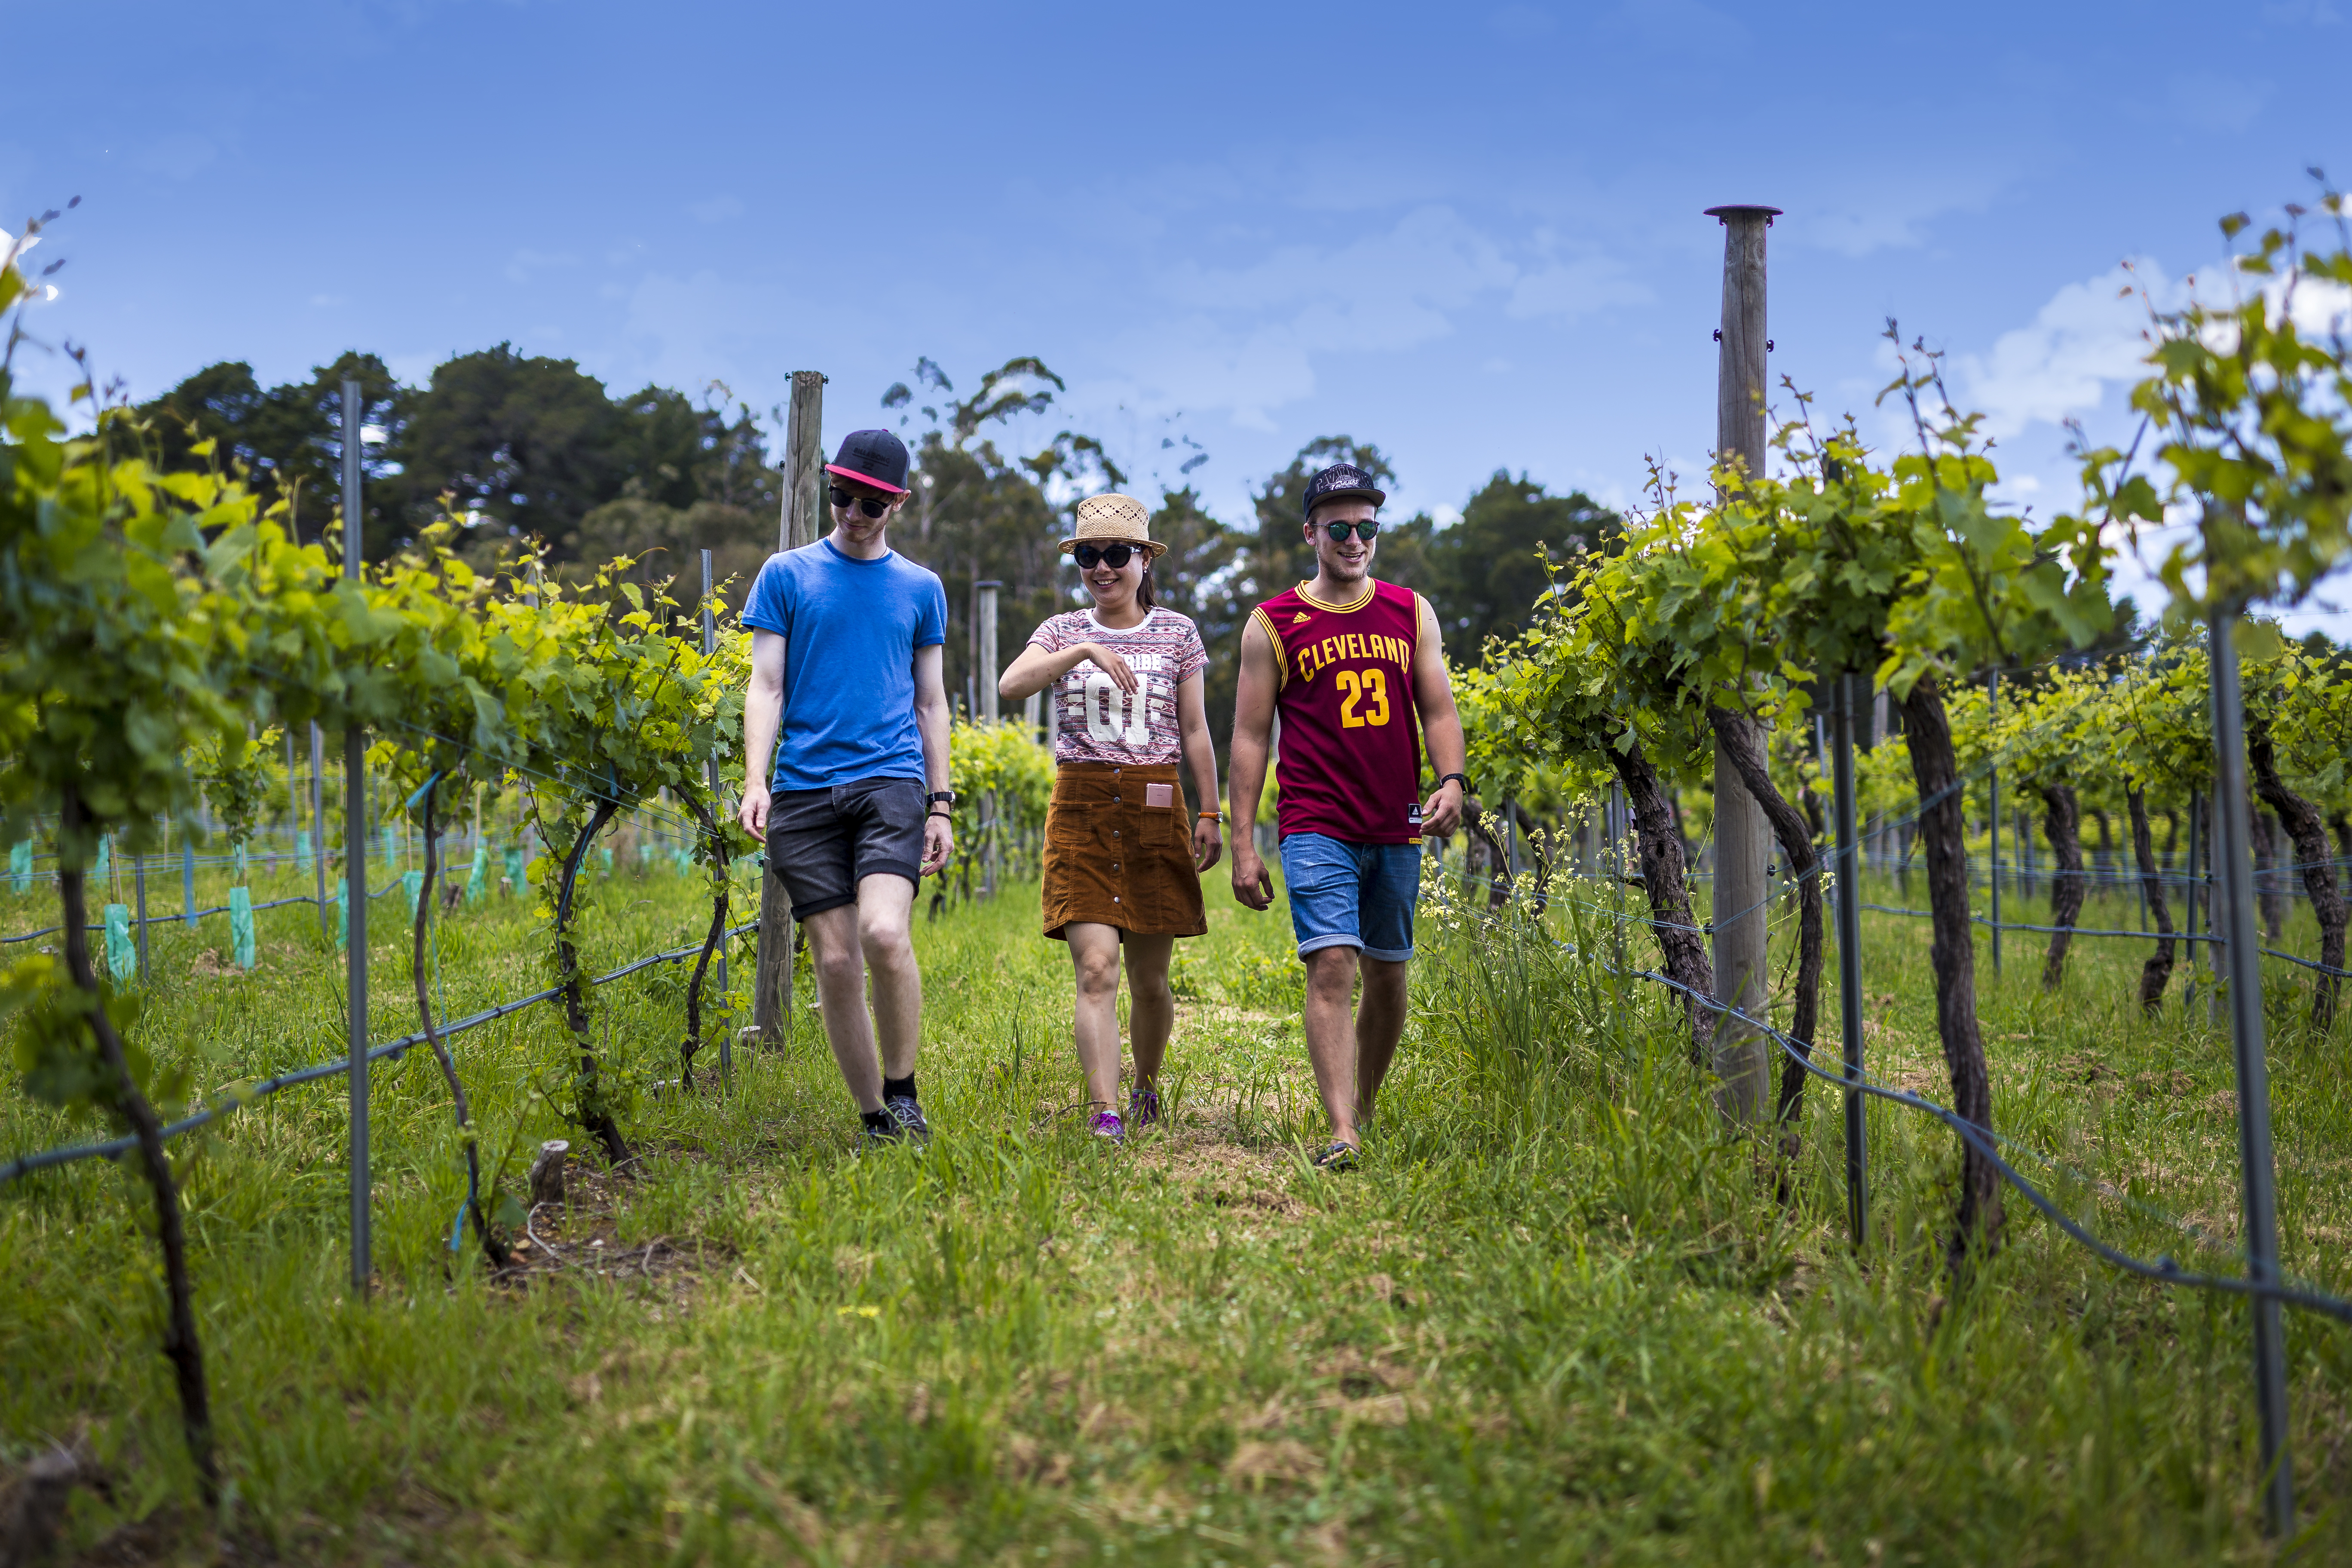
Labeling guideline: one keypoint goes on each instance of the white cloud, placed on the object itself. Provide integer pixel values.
(1248, 339)
(2088, 335)
(2092, 335)
(1895, 214)
(1576, 286)
(1388, 291)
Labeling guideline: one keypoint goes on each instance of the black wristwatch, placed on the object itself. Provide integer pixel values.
(1463, 777)
(946, 797)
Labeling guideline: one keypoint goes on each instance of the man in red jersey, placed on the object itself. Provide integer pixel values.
(1356, 670)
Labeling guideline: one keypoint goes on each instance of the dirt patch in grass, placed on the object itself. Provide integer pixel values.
(580, 1241)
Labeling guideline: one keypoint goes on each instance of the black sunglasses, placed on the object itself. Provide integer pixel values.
(1114, 556)
(869, 505)
(1367, 531)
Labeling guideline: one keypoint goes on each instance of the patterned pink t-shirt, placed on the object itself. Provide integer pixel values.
(1094, 721)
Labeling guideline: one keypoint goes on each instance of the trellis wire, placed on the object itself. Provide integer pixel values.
(68, 1153)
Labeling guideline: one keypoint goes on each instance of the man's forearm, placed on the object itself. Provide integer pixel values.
(1448, 754)
(1247, 784)
(931, 724)
(762, 716)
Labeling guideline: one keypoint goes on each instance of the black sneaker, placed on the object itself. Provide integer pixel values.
(1337, 1157)
(909, 1118)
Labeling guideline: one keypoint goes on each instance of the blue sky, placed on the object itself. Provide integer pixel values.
(1472, 235)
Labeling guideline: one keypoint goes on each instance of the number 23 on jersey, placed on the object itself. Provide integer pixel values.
(1364, 697)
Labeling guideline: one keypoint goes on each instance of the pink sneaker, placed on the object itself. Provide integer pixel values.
(1106, 1124)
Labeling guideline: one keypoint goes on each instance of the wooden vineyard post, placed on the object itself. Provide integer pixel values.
(988, 712)
(2231, 853)
(718, 810)
(772, 982)
(1992, 782)
(1742, 839)
(355, 873)
(1849, 944)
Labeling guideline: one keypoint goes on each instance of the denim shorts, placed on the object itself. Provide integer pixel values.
(1351, 895)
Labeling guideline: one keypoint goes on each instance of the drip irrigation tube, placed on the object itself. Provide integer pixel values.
(28, 1163)
(2164, 1270)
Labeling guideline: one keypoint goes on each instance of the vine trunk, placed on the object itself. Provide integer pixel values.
(1664, 874)
(595, 1114)
(2063, 820)
(2309, 833)
(493, 1246)
(2157, 971)
(1935, 768)
(181, 1346)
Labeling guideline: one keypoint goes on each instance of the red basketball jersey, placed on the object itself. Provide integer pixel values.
(1349, 756)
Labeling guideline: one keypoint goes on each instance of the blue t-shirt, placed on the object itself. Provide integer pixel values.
(850, 628)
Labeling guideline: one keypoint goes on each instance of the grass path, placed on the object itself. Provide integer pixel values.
(1558, 1317)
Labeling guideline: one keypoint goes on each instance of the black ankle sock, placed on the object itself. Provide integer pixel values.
(892, 1087)
(878, 1120)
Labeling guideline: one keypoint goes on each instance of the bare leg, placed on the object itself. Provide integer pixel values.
(1379, 1023)
(1150, 1005)
(1331, 1045)
(840, 985)
(885, 908)
(1094, 951)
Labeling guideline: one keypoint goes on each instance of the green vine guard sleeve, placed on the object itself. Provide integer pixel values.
(240, 927)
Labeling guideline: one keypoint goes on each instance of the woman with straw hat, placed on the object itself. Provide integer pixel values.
(1123, 859)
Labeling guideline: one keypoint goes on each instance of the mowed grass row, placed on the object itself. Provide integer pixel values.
(1558, 1317)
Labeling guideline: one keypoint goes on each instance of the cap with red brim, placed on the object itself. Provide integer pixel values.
(867, 479)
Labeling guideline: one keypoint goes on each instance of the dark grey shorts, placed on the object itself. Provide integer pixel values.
(821, 842)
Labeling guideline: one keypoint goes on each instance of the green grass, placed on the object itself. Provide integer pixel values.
(1558, 1317)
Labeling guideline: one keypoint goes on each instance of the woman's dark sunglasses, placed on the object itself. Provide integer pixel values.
(871, 506)
(1114, 556)
(1367, 531)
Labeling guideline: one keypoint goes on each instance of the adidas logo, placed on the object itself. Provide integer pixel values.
(1301, 615)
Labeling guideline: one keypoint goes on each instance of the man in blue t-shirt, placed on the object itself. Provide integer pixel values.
(845, 658)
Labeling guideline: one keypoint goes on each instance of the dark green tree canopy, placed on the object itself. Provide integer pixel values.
(1489, 569)
(527, 447)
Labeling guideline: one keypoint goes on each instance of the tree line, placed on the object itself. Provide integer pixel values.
(531, 451)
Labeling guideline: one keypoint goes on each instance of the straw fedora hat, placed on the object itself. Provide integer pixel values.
(1114, 520)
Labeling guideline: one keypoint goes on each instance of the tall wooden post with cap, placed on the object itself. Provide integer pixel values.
(1742, 839)
(771, 985)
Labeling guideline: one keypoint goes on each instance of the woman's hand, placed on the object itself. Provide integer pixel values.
(1110, 664)
(1207, 843)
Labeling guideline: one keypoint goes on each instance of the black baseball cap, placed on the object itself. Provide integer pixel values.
(1342, 481)
(873, 458)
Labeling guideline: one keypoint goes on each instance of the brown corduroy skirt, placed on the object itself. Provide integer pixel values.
(1114, 860)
